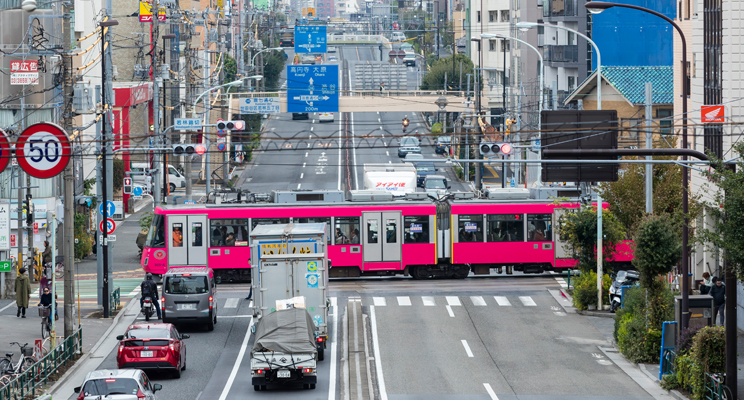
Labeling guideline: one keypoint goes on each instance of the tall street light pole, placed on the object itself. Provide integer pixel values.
(525, 26)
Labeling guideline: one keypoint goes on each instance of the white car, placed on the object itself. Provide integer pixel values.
(325, 117)
(117, 384)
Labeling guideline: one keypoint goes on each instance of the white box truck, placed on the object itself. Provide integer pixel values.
(397, 179)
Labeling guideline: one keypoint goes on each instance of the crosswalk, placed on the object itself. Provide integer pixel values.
(449, 301)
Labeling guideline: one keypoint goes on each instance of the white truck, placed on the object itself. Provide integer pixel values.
(289, 261)
(398, 179)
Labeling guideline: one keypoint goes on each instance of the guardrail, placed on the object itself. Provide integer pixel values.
(715, 389)
(44, 371)
(115, 300)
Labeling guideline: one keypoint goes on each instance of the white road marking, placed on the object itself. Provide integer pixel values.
(378, 360)
(311, 129)
(388, 153)
(332, 380)
(308, 145)
(390, 162)
(491, 392)
(561, 281)
(7, 307)
(379, 301)
(238, 361)
(379, 120)
(404, 301)
(527, 301)
(449, 311)
(132, 293)
(299, 185)
(303, 165)
(313, 121)
(559, 313)
(306, 153)
(467, 348)
(453, 301)
(477, 300)
(428, 301)
(232, 302)
(382, 130)
(302, 175)
(502, 301)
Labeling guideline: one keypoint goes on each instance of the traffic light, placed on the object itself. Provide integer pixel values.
(494, 149)
(127, 186)
(237, 125)
(188, 149)
(28, 206)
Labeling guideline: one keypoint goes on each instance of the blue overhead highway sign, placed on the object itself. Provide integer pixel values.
(312, 88)
(310, 39)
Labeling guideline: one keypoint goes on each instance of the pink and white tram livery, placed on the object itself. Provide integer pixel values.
(417, 238)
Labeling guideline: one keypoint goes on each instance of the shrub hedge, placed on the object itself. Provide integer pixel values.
(585, 289)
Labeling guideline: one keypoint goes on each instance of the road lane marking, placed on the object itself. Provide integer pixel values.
(428, 301)
(388, 153)
(453, 301)
(231, 302)
(378, 360)
(490, 392)
(404, 301)
(238, 360)
(379, 301)
(132, 293)
(502, 301)
(306, 153)
(311, 129)
(299, 185)
(303, 165)
(7, 307)
(313, 121)
(379, 120)
(561, 281)
(332, 380)
(381, 130)
(527, 301)
(449, 311)
(302, 175)
(467, 348)
(390, 162)
(477, 300)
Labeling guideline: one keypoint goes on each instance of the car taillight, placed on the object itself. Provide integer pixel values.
(162, 303)
(259, 371)
(82, 395)
(140, 395)
(121, 349)
(172, 347)
(210, 302)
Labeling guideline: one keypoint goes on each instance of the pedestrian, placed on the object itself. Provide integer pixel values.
(705, 284)
(23, 292)
(718, 292)
(382, 89)
(47, 254)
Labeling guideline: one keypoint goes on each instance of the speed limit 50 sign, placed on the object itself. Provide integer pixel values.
(43, 150)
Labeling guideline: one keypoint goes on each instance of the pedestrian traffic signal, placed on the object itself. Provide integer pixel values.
(28, 206)
(237, 125)
(188, 149)
(127, 185)
(495, 149)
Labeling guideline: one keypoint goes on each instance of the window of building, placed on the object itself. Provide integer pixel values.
(317, 220)
(477, 15)
(504, 15)
(505, 45)
(470, 228)
(416, 229)
(346, 230)
(493, 16)
(539, 227)
(665, 125)
(505, 228)
(492, 45)
(571, 83)
(228, 232)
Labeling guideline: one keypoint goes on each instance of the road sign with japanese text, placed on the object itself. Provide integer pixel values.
(310, 39)
(24, 72)
(260, 105)
(312, 88)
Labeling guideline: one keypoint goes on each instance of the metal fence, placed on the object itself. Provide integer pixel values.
(115, 300)
(715, 389)
(45, 370)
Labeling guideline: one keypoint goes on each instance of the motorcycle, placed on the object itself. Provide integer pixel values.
(405, 125)
(623, 278)
(148, 308)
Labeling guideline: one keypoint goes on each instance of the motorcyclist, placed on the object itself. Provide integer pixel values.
(405, 123)
(149, 289)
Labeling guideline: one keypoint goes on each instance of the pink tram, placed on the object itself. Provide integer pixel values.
(421, 239)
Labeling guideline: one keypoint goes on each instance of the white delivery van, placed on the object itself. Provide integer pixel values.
(140, 171)
(397, 36)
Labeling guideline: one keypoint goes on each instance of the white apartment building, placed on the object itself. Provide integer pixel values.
(494, 55)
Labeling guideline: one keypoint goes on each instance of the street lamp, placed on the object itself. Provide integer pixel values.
(187, 171)
(596, 7)
(525, 26)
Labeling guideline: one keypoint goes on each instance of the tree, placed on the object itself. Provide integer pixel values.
(273, 65)
(627, 198)
(578, 227)
(434, 79)
(726, 209)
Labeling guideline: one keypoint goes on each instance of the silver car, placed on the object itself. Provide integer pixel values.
(189, 296)
(117, 384)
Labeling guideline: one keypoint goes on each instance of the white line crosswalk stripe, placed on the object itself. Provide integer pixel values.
(453, 301)
(232, 302)
(478, 300)
(428, 301)
(527, 301)
(502, 301)
(379, 301)
(404, 301)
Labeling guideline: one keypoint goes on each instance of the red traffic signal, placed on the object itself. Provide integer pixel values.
(200, 149)
(127, 185)
(237, 125)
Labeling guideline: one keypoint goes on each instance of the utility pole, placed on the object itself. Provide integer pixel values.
(223, 101)
(207, 106)
(69, 201)
(189, 81)
(649, 144)
(155, 71)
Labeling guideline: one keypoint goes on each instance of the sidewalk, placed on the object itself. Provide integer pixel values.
(645, 375)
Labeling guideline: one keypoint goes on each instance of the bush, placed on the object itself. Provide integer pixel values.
(83, 244)
(636, 342)
(585, 289)
(436, 128)
(686, 338)
(706, 355)
(670, 381)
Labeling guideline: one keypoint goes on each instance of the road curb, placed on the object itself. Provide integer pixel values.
(64, 386)
(637, 374)
(599, 314)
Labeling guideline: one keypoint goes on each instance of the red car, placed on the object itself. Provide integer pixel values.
(152, 347)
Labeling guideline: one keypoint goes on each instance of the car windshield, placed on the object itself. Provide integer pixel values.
(409, 141)
(424, 168)
(435, 184)
(444, 139)
(186, 284)
(110, 386)
(145, 333)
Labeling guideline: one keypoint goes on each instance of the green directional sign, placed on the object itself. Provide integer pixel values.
(4, 266)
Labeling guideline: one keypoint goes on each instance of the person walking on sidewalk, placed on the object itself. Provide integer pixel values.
(23, 292)
(718, 292)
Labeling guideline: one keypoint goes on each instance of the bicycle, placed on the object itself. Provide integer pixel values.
(718, 389)
(25, 362)
(46, 323)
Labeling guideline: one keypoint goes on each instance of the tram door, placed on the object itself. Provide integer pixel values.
(381, 236)
(187, 240)
(560, 243)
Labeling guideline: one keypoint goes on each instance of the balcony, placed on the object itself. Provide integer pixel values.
(560, 8)
(563, 53)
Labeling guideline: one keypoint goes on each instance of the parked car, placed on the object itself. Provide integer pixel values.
(122, 384)
(300, 116)
(325, 117)
(152, 346)
(443, 142)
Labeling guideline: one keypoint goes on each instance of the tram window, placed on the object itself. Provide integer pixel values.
(539, 227)
(196, 234)
(470, 228)
(346, 230)
(391, 231)
(505, 228)
(177, 235)
(416, 229)
(228, 232)
(156, 235)
(373, 229)
(317, 220)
